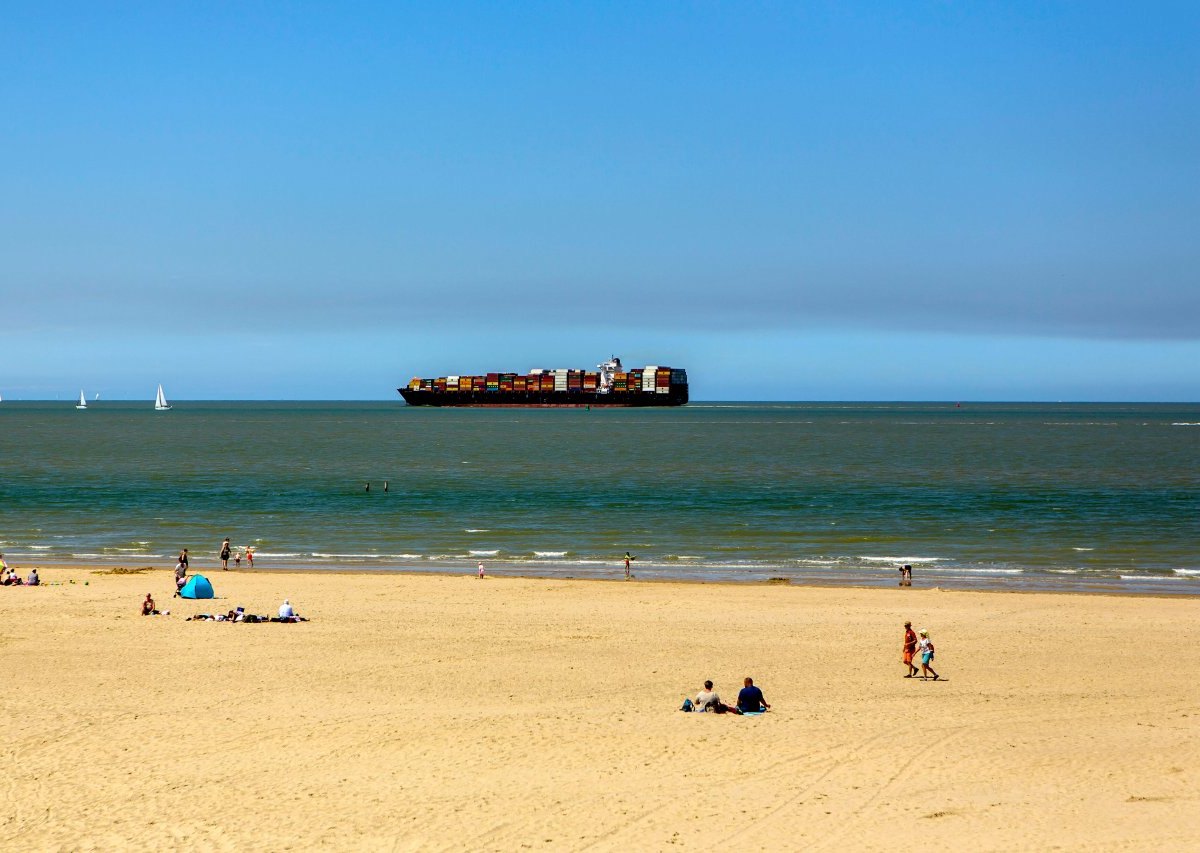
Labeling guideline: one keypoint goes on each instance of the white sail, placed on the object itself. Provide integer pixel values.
(160, 401)
(82, 400)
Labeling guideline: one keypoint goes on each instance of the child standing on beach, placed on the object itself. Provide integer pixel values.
(925, 645)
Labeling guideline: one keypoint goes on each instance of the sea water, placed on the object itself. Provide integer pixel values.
(1076, 497)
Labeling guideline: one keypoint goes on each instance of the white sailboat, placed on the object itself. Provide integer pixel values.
(82, 400)
(160, 402)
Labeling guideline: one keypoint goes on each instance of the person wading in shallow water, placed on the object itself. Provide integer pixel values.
(225, 554)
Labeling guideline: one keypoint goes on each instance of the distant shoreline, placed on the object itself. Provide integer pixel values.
(502, 571)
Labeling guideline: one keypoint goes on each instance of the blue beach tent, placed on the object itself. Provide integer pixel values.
(197, 587)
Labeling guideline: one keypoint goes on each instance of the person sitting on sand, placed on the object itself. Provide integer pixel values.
(707, 699)
(750, 699)
(148, 608)
(287, 612)
(33, 579)
(926, 647)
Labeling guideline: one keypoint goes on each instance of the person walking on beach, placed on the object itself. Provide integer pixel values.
(926, 647)
(628, 557)
(481, 569)
(183, 558)
(909, 649)
(250, 556)
(180, 576)
(750, 699)
(225, 554)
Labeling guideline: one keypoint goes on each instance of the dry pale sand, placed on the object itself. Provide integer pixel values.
(419, 712)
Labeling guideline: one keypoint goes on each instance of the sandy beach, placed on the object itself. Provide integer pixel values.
(448, 713)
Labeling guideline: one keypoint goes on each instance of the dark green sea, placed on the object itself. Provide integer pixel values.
(1078, 497)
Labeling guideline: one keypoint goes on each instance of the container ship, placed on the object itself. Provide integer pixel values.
(609, 385)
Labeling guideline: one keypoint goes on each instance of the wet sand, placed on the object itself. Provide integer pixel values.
(444, 712)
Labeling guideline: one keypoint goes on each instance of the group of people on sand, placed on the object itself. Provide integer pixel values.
(287, 613)
(227, 551)
(750, 700)
(918, 643)
(9, 576)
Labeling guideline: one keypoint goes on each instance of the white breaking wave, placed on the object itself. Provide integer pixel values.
(477, 530)
(1187, 572)
(344, 556)
(484, 553)
(548, 553)
(1186, 423)
(901, 559)
(990, 571)
(1148, 578)
(1083, 549)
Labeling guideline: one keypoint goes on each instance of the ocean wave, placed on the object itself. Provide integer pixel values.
(1063, 571)
(1187, 572)
(1186, 423)
(1148, 578)
(1083, 549)
(986, 571)
(548, 553)
(901, 559)
(325, 556)
(476, 530)
(259, 554)
(484, 553)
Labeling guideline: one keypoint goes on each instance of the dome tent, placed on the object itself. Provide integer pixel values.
(197, 586)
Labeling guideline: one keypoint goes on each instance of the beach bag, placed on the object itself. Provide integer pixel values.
(687, 705)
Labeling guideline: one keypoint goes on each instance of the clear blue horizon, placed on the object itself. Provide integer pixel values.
(820, 201)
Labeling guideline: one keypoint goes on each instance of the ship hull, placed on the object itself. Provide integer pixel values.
(677, 396)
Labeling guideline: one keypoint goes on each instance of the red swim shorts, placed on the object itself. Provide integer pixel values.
(908, 656)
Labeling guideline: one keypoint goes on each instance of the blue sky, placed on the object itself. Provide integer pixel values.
(927, 200)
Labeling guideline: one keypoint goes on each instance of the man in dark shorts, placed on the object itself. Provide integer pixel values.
(910, 649)
(750, 699)
(225, 554)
